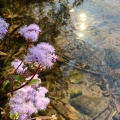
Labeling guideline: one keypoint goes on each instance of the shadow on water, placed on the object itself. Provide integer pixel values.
(84, 84)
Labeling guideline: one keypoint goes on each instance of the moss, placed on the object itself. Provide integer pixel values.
(76, 77)
(75, 93)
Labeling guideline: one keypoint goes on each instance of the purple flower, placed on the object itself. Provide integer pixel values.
(27, 101)
(41, 103)
(30, 32)
(54, 57)
(43, 53)
(23, 117)
(46, 47)
(40, 100)
(42, 91)
(16, 100)
(28, 108)
(3, 28)
(17, 64)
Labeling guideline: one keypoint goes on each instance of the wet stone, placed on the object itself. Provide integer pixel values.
(76, 77)
(112, 58)
(67, 111)
(117, 92)
(116, 117)
(75, 93)
(106, 94)
(87, 105)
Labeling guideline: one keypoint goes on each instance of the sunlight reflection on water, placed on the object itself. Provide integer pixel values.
(95, 21)
(83, 17)
(81, 25)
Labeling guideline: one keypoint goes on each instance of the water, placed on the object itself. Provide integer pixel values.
(94, 42)
(96, 26)
(87, 41)
(98, 19)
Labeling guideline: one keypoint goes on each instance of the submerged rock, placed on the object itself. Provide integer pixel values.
(76, 77)
(67, 111)
(87, 105)
(117, 92)
(112, 58)
(116, 116)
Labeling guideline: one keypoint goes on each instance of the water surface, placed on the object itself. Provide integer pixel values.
(94, 41)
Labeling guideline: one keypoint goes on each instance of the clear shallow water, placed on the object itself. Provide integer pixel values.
(89, 38)
(94, 41)
(97, 24)
(97, 21)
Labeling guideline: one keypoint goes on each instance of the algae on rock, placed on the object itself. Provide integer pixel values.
(76, 77)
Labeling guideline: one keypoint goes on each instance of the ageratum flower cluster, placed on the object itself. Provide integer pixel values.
(43, 53)
(30, 32)
(31, 99)
(28, 100)
(3, 28)
(18, 65)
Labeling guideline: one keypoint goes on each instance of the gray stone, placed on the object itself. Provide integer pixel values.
(112, 58)
(89, 105)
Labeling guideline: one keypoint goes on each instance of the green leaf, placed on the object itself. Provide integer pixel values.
(34, 81)
(14, 116)
(11, 116)
(5, 83)
(2, 53)
(48, 84)
(17, 77)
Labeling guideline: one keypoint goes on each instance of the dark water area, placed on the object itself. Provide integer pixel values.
(86, 37)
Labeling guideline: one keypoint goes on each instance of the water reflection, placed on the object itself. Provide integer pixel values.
(96, 24)
(79, 35)
(83, 17)
(72, 10)
(81, 25)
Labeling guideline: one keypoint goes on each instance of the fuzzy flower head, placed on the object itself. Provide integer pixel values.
(3, 28)
(43, 53)
(42, 91)
(17, 64)
(27, 101)
(30, 32)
